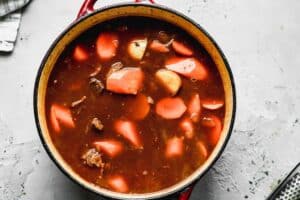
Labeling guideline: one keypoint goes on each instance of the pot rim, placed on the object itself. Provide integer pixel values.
(117, 5)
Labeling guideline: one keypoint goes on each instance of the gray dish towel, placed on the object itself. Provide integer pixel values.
(10, 17)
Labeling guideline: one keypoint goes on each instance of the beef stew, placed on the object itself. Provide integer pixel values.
(156, 94)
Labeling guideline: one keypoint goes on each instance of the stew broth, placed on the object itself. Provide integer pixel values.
(121, 124)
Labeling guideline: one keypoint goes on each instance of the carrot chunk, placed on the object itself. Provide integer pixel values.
(170, 108)
(202, 149)
(53, 119)
(138, 108)
(194, 107)
(64, 116)
(174, 147)
(211, 104)
(106, 45)
(128, 80)
(158, 47)
(181, 48)
(187, 127)
(111, 147)
(118, 184)
(128, 130)
(80, 54)
(216, 131)
(188, 67)
(215, 125)
(60, 115)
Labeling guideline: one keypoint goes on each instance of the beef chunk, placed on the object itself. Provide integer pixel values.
(96, 85)
(97, 124)
(114, 67)
(78, 102)
(96, 71)
(163, 37)
(93, 158)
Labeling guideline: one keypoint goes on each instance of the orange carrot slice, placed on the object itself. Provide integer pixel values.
(111, 147)
(158, 47)
(174, 147)
(187, 126)
(128, 130)
(170, 108)
(188, 67)
(181, 48)
(215, 125)
(60, 115)
(128, 80)
(80, 54)
(194, 107)
(138, 108)
(64, 116)
(211, 104)
(216, 131)
(106, 45)
(118, 183)
(202, 149)
(53, 119)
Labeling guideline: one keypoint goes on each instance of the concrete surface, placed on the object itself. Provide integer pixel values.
(261, 40)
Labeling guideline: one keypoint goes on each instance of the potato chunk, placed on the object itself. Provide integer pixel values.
(137, 47)
(212, 104)
(188, 67)
(170, 80)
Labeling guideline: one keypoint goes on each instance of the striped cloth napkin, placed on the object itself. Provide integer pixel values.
(10, 17)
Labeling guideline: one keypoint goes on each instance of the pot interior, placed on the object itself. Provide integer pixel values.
(109, 13)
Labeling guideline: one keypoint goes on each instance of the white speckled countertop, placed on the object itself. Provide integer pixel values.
(261, 40)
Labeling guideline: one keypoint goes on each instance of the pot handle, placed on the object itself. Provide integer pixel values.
(88, 7)
(186, 193)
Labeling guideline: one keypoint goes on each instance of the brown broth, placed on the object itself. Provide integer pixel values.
(69, 81)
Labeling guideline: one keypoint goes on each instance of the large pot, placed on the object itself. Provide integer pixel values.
(88, 18)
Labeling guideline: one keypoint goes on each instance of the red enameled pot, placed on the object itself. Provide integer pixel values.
(87, 18)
